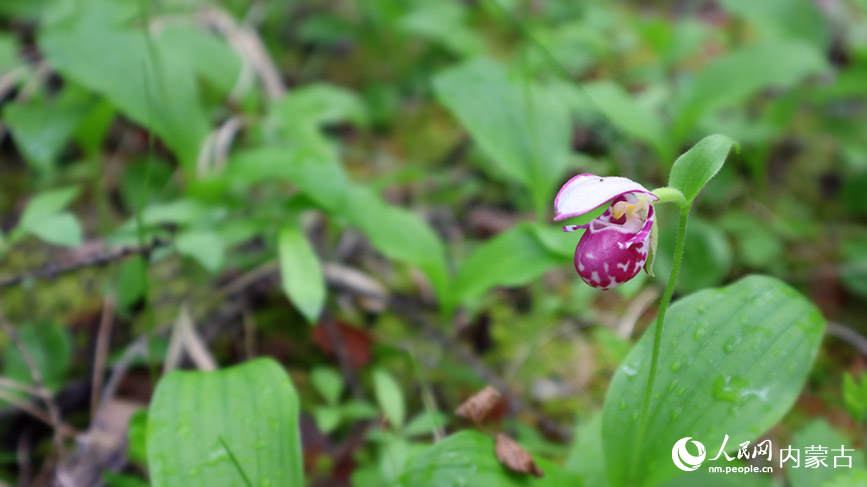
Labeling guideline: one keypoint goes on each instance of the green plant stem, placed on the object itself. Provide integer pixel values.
(644, 419)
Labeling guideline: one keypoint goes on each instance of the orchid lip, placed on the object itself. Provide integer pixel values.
(586, 192)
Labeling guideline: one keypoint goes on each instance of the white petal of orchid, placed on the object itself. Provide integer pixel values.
(586, 192)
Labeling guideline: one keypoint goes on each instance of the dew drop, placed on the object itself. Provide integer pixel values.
(675, 366)
(729, 389)
(732, 344)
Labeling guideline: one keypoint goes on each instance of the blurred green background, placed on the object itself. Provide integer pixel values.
(363, 191)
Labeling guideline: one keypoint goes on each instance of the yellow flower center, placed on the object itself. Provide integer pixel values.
(631, 210)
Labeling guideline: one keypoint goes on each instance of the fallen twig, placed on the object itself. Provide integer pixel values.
(848, 335)
(106, 323)
(52, 271)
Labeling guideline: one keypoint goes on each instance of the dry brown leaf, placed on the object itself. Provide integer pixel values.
(515, 457)
(479, 405)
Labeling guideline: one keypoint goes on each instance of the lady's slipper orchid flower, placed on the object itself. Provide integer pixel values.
(615, 246)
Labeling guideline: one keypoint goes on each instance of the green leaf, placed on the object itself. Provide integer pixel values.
(44, 218)
(468, 458)
(853, 270)
(328, 383)
(586, 458)
(142, 78)
(47, 204)
(855, 396)
(399, 234)
(49, 347)
(59, 229)
(131, 281)
(854, 478)
(443, 23)
(389, 397)
(137, 435)
(301, 273)
(253, 407)
(41, 130)
(695, 168)
(522, 126)
(426, 423)
(797, 19)
(356, 410)
(819, 433)
(732, 362)
(327, 418)
(742, 73)
(320, 177)
(8, 53)
(210, 56)
(305, 110)
(626, 114)
(204, 246)
(512, 258)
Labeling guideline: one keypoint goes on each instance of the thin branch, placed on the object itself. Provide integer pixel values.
(249, 45)
(106, 323)
(848, 335)
(52, 271)
(19, 386)
(635, 309)
(135, 350)
(36, 376)
(37, 413)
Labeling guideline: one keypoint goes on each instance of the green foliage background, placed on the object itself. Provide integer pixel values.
(362, 190)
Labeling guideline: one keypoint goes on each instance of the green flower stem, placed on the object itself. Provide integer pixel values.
(668, 194)
(657, 336)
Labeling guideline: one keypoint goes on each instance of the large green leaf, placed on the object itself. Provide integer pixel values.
(732, 362)
(521, 126)
(142, 78)
(300, 272)
(206, 428)
(468, 459)
(741, 73)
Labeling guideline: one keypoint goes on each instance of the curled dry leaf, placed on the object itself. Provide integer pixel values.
(515, 457)
(479, 405)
